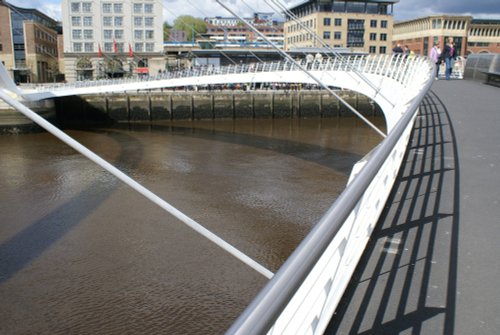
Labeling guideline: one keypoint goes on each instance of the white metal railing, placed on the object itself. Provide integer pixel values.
(394, 66)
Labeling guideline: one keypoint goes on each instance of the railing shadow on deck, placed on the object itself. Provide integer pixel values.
(407, 278)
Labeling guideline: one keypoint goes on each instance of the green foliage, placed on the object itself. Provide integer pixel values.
(166, 31)
(190, 25)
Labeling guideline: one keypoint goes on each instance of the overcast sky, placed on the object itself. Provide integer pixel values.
(405, 9)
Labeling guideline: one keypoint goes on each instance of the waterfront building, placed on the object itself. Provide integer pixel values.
(111, 38)
(470, 35)
(359, 25)
(28, 44)
(230, 31)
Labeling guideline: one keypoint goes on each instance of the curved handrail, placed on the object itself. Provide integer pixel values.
(264, 312)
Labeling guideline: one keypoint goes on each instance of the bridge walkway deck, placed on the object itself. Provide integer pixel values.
(432, 266)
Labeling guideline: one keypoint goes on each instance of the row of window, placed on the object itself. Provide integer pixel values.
(109, 47)
(108, 21)
(338, 22)
(88, 34)
(373, 49)
(337, 35)
(45, 50)
(117, 8)
(42, 35)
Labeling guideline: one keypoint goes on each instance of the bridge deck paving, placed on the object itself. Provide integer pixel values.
(432, 265)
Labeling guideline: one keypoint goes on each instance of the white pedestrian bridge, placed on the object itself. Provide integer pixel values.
(302, 295)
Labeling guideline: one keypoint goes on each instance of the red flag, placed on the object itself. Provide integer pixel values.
(99, 51)
(130, 53)
(115, 47)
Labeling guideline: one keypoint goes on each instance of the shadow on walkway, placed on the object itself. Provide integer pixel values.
(407, 278)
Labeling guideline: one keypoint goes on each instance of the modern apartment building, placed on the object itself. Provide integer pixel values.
(470, 35)
(359, 25)
(112, 38)
(28, 44)
(225, 31)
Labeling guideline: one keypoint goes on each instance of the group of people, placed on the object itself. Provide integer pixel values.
(438, 56)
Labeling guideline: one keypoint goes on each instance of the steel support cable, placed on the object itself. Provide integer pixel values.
(133, 184)
(303, 69)
(324, 44)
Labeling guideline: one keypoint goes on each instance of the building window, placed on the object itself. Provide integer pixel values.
(75, 7)
(137, 8)
(138, 47)
(148, 21)
(338, 22)
(373, 36)
(108, 34)
(373, 23)
(327, 21)
(355, 33)
(373, 49)
(137, 21)
(118, 21)
(148, 8)
(138, 35)
(149, 34)
(383, 50)
(118, 8)
(339, 6)
(337, 35)
(119, 34)
(150, 47)
(89, 47)
(383, 37)
(76, 21)
(326, 35)
(76, 34)
(87, 7)
(108, 47)
(107, 21)
(119, 47)
(383, 24)
(88, 34)
(77, 47)
(106, 8)
(87, 21)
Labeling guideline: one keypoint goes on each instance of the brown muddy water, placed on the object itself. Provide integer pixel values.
(82, 253)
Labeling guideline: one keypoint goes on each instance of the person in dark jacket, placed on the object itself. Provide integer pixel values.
(397, 49)
(448, 55)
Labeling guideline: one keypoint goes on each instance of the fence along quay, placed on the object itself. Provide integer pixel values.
(301, 297)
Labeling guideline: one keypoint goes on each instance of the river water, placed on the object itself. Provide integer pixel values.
(82, 253)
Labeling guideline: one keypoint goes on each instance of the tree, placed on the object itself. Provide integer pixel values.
(166, 31)
(190, 25)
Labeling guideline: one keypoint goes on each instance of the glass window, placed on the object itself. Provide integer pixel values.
(108, 34)
(75, 7)
(118, 21)
(88, 34)
(87, 21)
(326, 35)
(337, 35)
(373, 36)
(148, 8)
(339, 6)
(149, 34)
(87, 7)
(150, 47)
(76, 34)
(138, 47)
(383, 37)
(138, 8)
(138, 35)
(383, 23)
(373, 23)
(89, 47)
(383, 50)
(77, 47)
(108, 47)
(137, 21)
(338, 22)
(148, 21)
(119, 47)
(106, 8)
(373, 49)
(76, 21)
(327, 21)
(119, 34)
(355, 7)
(118, 7)
(107, 21)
